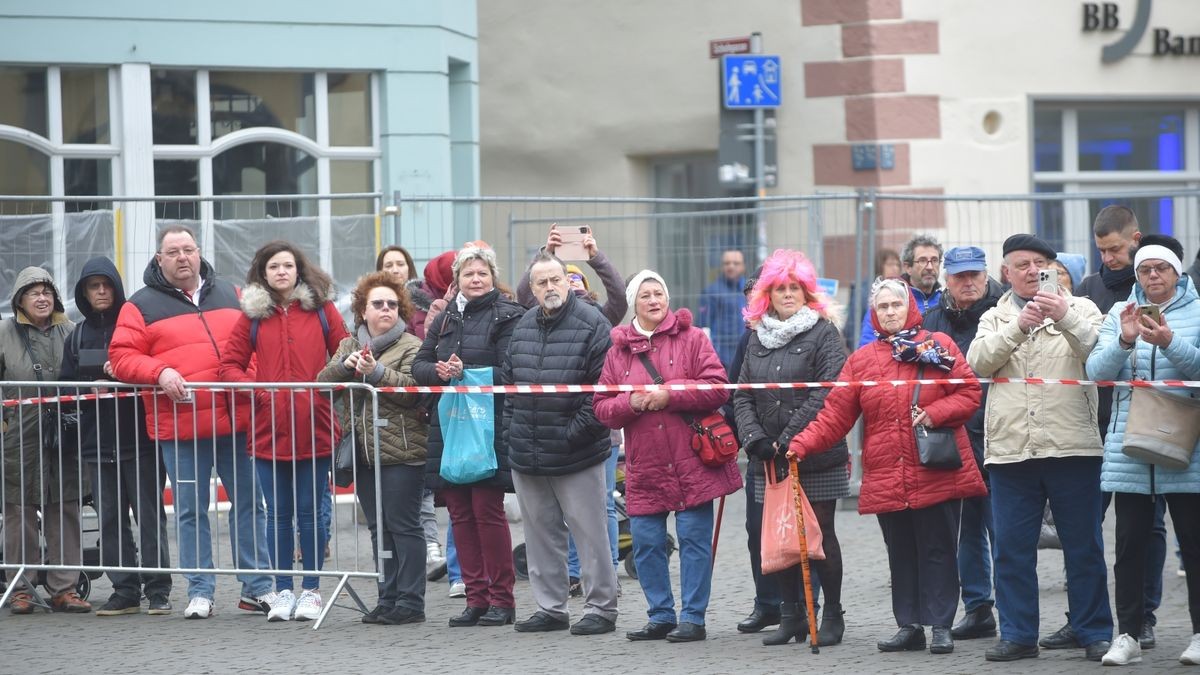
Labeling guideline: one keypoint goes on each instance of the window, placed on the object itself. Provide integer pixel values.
(173, 108)
(245, 99)
(23, 101)
(349, 109)
(1130, 139)
(85, 105)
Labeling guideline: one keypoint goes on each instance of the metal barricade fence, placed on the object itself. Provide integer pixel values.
(77, 459)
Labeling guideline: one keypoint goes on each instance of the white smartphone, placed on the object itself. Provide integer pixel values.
(1048, 281)
(572, 247)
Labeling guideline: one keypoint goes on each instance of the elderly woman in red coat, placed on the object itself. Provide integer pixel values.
(918, 507)
(662, 472)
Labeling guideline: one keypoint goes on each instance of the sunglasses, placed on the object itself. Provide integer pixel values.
(390, 304)
(575, 277)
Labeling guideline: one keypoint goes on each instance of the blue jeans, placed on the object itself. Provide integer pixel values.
(610, 482)
(190, 465)
(976, 543)
(294, 492)
(453, 571)
(694, 530)
(1019, 495)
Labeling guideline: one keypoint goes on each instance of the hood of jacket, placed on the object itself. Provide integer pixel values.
(961, 318)
(259, 303)
(626, 335)
(99, 267)
(153, 276)
(28, 277)
(420, 294)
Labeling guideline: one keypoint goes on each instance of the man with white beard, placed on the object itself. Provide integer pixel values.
(557, 450)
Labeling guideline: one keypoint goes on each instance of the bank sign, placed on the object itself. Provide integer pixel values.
(1104, 17)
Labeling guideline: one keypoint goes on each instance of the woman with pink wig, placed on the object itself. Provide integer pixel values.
(794, 340)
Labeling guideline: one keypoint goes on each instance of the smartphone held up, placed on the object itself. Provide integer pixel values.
(572, 247)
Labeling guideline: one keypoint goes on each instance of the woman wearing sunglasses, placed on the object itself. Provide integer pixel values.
(381, 353)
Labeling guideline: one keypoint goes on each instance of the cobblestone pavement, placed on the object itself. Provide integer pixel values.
(237, 640)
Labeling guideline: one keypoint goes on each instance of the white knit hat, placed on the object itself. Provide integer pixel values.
(636, 282)
(1156, 252)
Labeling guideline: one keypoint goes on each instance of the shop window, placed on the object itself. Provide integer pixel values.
(349, 109)
(245, 99)
(1130, 139)
(177, 177)
(23, 99)
(1047, 140)
(173, 107)
(85, 105)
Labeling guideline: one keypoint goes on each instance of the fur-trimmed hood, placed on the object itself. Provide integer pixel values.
(420, 294)
(258, 303)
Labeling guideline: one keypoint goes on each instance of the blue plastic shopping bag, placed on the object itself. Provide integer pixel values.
(468, 428)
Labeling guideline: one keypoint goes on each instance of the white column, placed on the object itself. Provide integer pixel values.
(137, 170)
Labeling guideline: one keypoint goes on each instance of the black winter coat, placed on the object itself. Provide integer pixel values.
(556, 434)
(479, 335)
(109, 428)
(962, 325)
(816, 355)
(1093, 288)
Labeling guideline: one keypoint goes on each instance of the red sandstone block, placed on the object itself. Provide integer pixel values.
(871, 118)
(818, 12)
(911, 37)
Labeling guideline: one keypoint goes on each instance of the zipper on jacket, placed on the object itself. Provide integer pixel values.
(1153, 357)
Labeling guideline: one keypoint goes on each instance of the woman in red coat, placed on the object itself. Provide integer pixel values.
(662, 472)
(918, 507)
(294, 429)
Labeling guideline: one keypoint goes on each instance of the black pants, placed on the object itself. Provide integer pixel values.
(827, 573)
(133, 484)
(402, 485)
(922, 547)
(766, 588)
(1135, 523)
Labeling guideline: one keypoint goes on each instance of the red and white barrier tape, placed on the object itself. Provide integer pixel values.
(616, 388)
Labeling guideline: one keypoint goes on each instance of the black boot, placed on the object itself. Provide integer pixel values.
(832, 626)
(793, 623)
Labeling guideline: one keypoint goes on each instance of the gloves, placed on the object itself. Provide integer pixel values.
(761, 449)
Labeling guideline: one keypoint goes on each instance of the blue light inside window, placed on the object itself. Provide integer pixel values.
(1170, 157)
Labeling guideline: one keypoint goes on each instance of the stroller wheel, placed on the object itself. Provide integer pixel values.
(520, 562)
(84, 586)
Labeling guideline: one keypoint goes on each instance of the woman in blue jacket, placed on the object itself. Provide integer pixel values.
(1135, 346)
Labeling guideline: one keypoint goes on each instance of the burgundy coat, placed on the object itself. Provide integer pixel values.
(893, 479)
(292, 424)
(662, 472)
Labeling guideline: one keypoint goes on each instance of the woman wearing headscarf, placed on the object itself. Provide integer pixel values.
(38, 478)
(289, 327)
(663, 475)
(381, 353)
(794, 340)
(918, 507)
(1133, 345)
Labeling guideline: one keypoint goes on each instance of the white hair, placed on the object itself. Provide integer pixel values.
(896, 286)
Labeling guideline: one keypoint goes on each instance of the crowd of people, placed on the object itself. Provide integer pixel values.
(958, 474)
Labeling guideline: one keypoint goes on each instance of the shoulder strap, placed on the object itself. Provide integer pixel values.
(917, 389)
(254, 335)
(37, 367)
(645, 359)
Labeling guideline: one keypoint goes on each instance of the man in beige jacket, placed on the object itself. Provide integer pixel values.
(1042, 444)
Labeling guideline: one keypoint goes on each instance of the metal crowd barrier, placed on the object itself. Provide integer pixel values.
(65, 512)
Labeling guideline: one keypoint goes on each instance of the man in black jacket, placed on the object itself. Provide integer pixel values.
(122, 462)
(969, 293)
(557, 450)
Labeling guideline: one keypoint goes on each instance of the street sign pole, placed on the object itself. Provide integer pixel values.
(760, 184)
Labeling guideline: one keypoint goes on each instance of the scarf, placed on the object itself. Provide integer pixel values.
(380, 343)
(1115, 279)
(906, 349)
(773, 333)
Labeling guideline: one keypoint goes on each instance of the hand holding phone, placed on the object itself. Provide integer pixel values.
(1048, 280)
(1151, 311)
(572, 246)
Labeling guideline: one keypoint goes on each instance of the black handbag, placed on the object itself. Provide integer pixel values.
(59, 426)
(936, 448)
(346, 452)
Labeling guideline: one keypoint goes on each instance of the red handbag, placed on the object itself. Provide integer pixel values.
(712, 438)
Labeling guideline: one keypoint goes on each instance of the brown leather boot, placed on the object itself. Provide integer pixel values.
(70, 602)
(21, 603)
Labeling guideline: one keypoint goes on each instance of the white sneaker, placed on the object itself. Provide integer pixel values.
(1191, 655)
(308, 608)
(1124, 651)
(433, 553)
(198, 608)
(458, 589)
(281, 606)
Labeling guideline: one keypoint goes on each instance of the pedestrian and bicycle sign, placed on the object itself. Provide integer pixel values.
(751, 81)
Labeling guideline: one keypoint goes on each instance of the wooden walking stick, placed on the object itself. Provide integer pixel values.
(806, 572)
(712, 563)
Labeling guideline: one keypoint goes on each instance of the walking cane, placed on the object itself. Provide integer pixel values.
(716, 534)
(806, 572)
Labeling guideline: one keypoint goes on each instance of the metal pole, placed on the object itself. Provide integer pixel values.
(760, 182)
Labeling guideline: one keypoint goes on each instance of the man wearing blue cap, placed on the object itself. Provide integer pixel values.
(968, 294)
(1042, 444)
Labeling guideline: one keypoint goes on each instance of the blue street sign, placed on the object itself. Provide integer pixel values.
(827, 286)
(751, 81)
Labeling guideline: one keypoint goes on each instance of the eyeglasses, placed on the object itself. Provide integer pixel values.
(575, 277)
(177, 252)
(1040, 263)
(927, 262)
(44, 293)
(380, 304)
(1161, 269)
